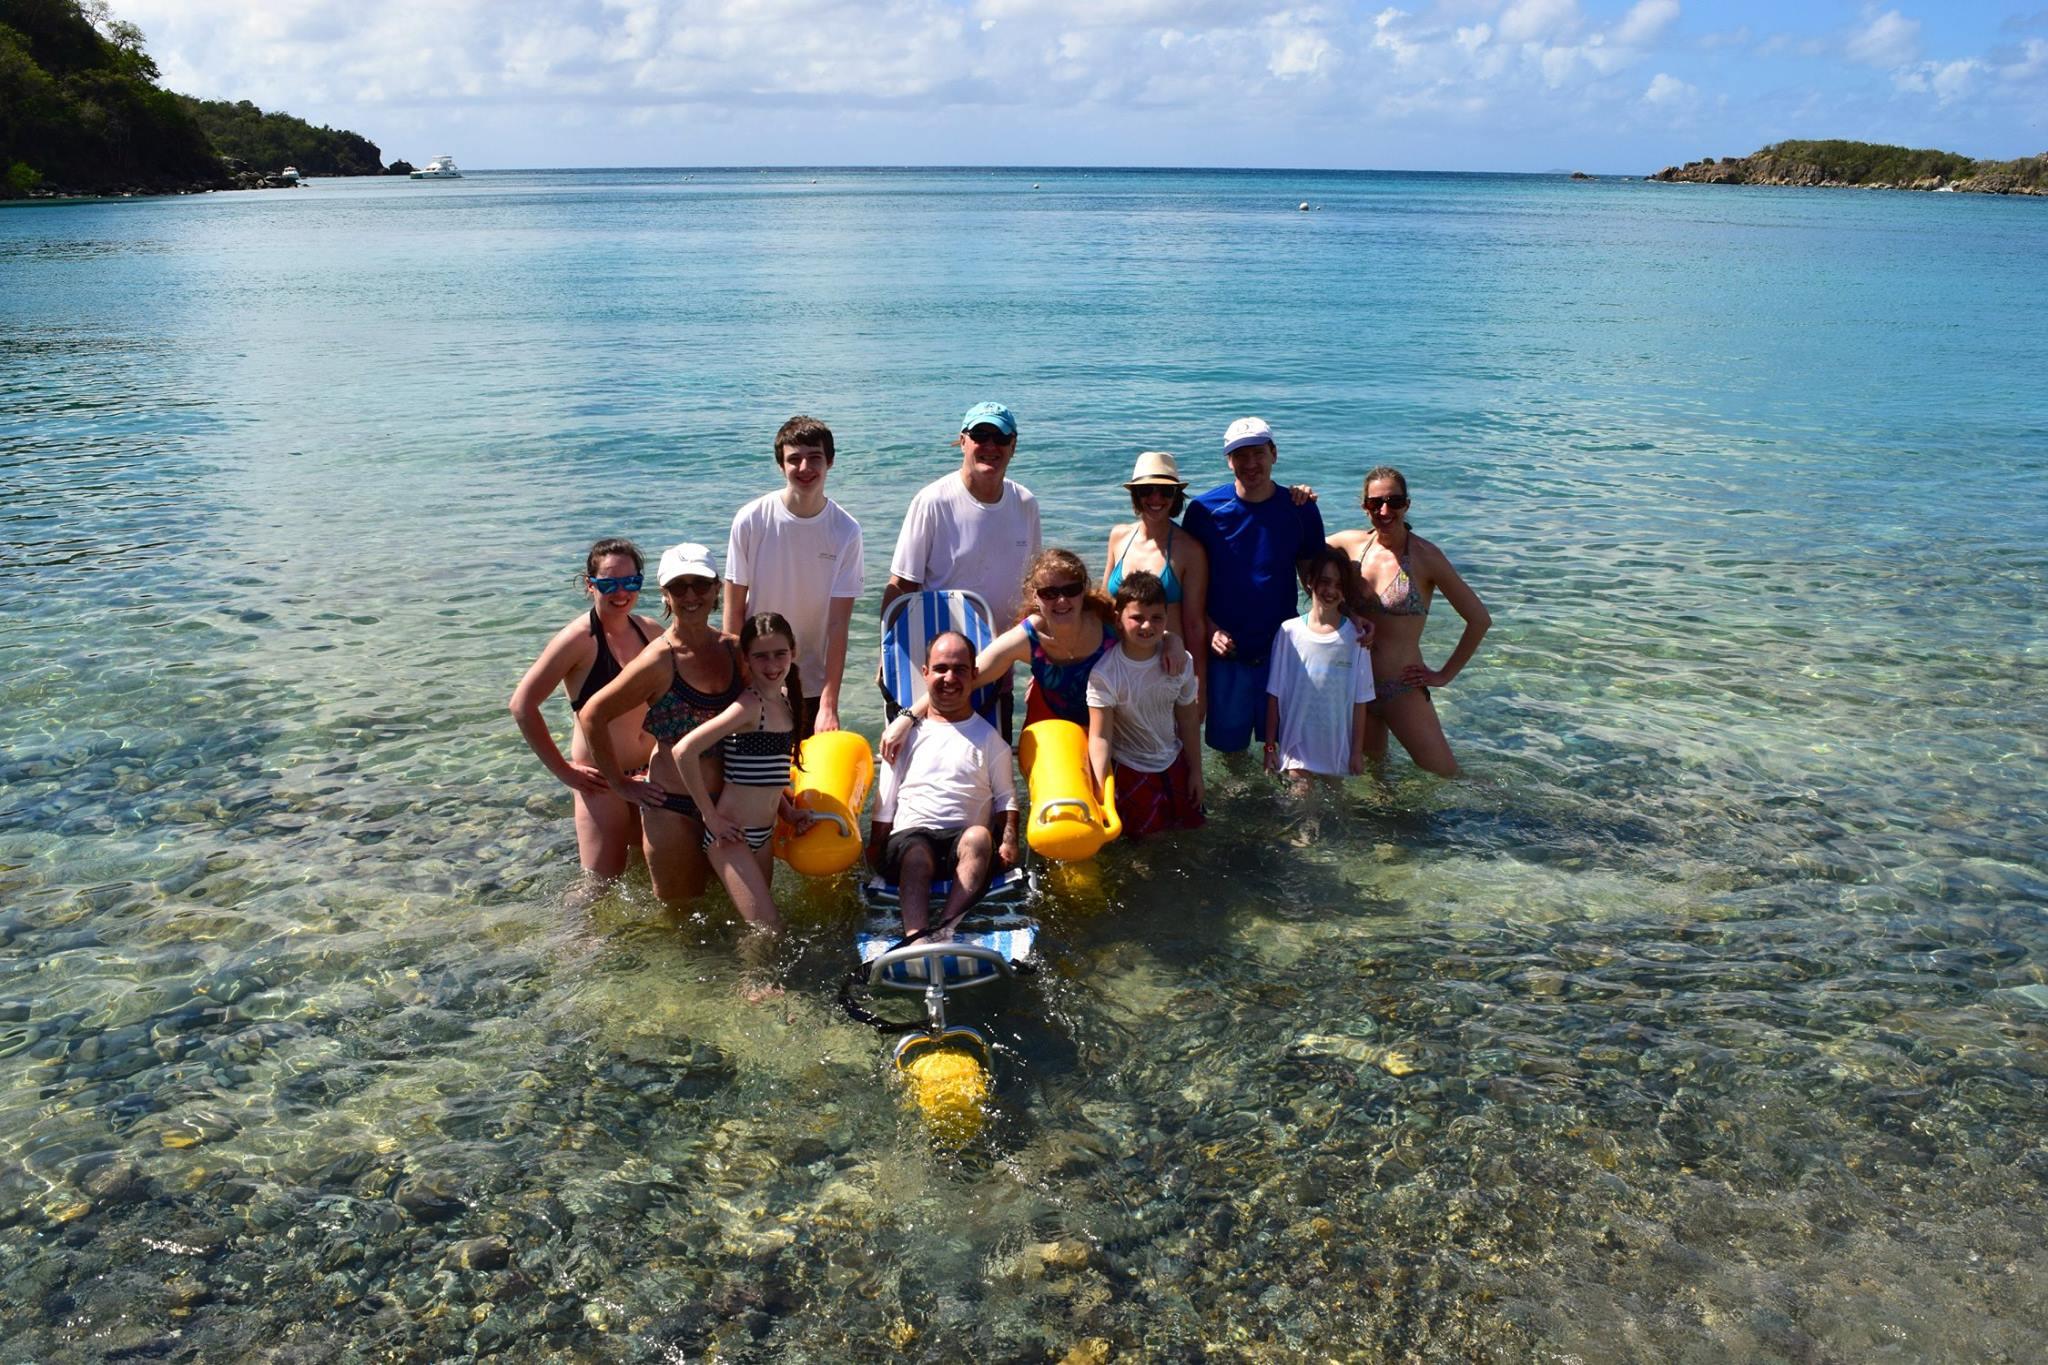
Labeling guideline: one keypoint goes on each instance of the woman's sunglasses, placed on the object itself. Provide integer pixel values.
(1396, 502)
(1055, 592)
(607, 586)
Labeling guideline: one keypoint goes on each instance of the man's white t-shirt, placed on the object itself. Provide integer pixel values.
(1141, 730)
(794, 566)
(1318, 679)
(951, 539)
(951, 774)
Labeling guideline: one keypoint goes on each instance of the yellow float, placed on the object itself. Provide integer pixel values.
(832, 784)
(946, 1081)
(1066, 823)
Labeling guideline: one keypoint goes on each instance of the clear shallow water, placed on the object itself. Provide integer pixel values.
(1707, 1019)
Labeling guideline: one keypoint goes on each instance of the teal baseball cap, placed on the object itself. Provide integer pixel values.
(990, 415)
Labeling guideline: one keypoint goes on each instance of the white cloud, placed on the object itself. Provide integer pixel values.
(1646, 23)
(1887, 39)
(1946, 81)
(1667, 91)
(2032, 62)
(1533, 21)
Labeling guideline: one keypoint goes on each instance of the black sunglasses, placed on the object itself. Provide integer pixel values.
(1059, 591)
(1396, 501)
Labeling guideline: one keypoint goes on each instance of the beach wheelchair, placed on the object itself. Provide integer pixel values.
(945, 1066)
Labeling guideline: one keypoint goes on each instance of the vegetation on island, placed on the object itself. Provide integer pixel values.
(270, 142)
(81, 112)
(1867, 164)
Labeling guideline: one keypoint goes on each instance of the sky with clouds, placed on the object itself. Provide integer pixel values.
(1602, 85)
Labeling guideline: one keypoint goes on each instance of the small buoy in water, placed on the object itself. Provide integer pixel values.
(1304, 206)
(1034, 184)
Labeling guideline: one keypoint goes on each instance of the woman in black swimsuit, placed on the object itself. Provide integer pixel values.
(690, 674)
(581, 658)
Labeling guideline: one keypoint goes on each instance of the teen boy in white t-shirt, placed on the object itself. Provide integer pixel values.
(797, 553)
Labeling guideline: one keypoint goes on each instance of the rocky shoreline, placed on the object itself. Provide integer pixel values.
(2028, 175)
(235, 175)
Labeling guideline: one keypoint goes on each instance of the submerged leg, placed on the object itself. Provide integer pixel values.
(675, 855)
(744, 882)
(1412, 718)
(606, 830)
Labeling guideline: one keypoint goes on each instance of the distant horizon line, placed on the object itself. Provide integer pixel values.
(1048, 167)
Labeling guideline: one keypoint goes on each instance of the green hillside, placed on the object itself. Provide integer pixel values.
(270, 142)
(81, 112)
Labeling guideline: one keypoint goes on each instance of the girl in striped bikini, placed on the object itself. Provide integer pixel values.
(756, 741)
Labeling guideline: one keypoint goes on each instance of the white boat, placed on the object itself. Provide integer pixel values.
(440, 168)
(289, 173)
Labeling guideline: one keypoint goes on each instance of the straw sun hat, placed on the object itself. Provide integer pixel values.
(1156, 467)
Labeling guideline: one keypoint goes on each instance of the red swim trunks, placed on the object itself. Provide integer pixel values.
(1153, 803)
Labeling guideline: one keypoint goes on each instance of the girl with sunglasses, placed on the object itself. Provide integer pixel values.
(690, 675)
(1401, 572)
(581, 658)
(1067, 626)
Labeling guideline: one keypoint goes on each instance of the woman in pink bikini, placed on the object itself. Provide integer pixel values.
(1401, 572)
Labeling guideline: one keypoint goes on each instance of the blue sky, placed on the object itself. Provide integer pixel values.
(1454, 85)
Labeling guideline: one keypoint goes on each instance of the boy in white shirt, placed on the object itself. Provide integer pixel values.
(797, 553)
(1144, 723)
(1319, 681)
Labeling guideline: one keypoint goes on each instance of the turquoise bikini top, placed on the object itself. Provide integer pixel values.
(1167, 578)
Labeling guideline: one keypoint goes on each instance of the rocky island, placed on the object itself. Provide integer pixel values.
(1868, 165)
(81, 113)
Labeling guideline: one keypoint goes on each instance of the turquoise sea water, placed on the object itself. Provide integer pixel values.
(1706, 1018)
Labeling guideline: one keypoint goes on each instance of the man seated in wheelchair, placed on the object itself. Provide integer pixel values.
(946, 809)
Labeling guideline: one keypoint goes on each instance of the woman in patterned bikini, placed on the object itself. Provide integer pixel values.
(688, 675)
(581, 658)
(1401, 571)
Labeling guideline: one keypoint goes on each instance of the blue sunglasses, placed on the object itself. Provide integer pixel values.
(607, 586)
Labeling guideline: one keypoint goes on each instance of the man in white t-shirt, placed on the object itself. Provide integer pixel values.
(947, 807)
(973, 529)
(797, 553)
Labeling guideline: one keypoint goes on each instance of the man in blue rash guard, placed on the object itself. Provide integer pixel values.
(1255, 534)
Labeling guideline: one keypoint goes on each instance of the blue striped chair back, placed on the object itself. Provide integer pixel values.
(911, 622)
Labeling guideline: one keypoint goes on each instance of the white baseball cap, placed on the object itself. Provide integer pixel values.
(1247, 431)
(687, 560)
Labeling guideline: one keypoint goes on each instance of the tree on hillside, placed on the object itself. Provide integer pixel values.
(82, 110)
